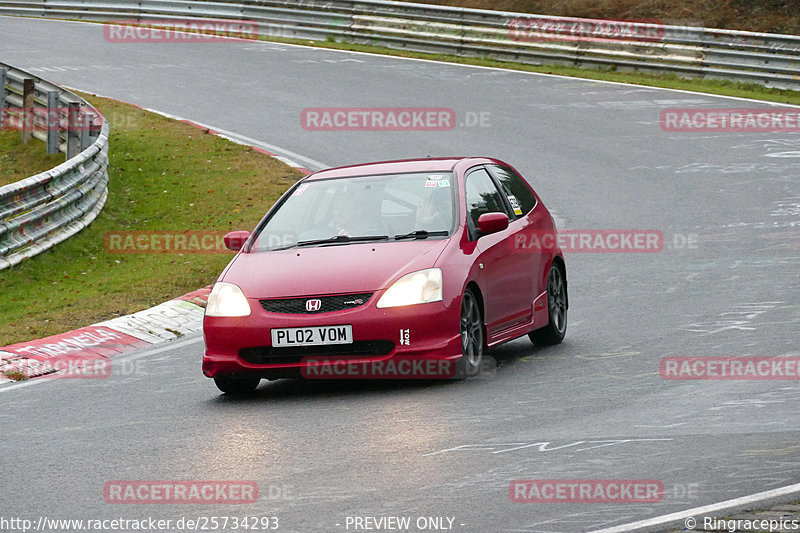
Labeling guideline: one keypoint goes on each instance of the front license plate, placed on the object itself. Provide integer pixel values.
(313, 336)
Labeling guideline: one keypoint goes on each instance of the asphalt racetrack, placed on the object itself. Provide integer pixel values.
(594, 407)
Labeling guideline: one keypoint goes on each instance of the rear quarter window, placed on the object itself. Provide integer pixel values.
(516, 189)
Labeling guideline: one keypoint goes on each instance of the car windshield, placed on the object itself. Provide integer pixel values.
(331, 212)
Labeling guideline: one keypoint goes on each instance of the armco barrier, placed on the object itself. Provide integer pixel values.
(43, 210)
(769, 59)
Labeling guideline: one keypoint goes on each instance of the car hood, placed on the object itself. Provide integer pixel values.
(338, 269)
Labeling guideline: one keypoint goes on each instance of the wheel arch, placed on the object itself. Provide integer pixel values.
(473, 286)
(476, 290)
(562, 266)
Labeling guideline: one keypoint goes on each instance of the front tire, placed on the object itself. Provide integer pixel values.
(472, 336)
(235, 385)
(556, 328)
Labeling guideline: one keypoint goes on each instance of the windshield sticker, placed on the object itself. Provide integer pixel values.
(514, 204)
(431, 183)
(435, 176)
(300, 190)
(444, 183)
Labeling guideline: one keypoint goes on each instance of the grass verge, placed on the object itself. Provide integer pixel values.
(19, 161)
(165, 175)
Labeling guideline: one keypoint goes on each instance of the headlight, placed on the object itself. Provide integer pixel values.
(227, 299)
(415, 288)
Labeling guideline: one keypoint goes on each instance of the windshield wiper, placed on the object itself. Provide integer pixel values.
(420, 234)
(343, 239)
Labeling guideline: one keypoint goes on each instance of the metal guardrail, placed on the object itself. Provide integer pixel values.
(43, 210)
(768, 59)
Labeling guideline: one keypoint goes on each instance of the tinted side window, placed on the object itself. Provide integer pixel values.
(482, 196)
(515, 188)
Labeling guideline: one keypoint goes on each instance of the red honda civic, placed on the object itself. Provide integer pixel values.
(399, 269)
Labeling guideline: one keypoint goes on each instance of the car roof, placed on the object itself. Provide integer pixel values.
(431, 164)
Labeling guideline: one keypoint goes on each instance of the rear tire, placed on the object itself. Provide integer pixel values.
(472, 336)
(236, 385)
(556, 328)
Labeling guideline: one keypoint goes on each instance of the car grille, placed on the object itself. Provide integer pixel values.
(267, 355)
(297, 306)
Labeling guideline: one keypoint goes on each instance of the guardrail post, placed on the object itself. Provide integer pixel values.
(2, 97)
(53, 122)
(86, 123)
(28, 86)
(73, 130)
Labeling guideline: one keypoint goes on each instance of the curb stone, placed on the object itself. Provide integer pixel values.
(99, 342)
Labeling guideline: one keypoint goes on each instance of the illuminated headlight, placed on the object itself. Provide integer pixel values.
(227, 299)
(415, 288)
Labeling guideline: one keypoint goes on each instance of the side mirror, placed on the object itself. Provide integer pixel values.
(489, 223)
(236, 239)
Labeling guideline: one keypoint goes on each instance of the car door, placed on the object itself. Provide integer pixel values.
(533, 221)
(502, 276)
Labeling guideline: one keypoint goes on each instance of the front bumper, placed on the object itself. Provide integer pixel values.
(382, 340)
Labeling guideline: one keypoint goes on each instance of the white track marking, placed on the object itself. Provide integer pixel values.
(744, 500)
